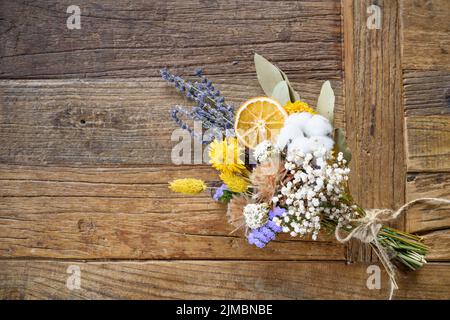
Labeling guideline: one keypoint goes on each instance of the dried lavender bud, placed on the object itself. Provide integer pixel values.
(211, 108)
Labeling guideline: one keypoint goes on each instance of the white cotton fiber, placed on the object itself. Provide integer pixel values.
(288, 132)
(298, 119)
(320, 142)
(298, 145)
(317, 126)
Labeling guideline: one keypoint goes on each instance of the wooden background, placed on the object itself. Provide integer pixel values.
(85, 141)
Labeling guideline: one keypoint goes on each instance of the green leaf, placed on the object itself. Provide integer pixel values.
(268, 75)
(325, 103)
(281, 93)
(340, 144)
(226, 196)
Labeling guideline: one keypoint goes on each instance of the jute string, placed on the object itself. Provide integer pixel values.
(370, 225)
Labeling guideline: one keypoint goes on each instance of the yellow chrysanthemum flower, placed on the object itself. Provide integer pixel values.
(187, 186)
(225, 156)
(234, 182)
(297, 107)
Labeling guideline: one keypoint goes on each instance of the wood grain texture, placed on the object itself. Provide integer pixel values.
(93, 122)
(85, 148)
(426, 93)
(428, 143)
(373, 109)
(431, 221)
(427, 109)
(426, 80)
(213, 280)
(426, 34)
(125, 213)
(136, 38)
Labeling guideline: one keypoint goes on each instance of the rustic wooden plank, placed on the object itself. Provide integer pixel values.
(373, 109)
(95, 122)
(426, 37)
(125, 213)
(133, 39)
(427, 120)
(428, 143)
(428, 217)
(426, 44)
(439, 244)
(213, 280)
(430, 220)
(426, 92)
(144, 175)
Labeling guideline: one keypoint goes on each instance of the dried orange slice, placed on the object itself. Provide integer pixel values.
(259, 119)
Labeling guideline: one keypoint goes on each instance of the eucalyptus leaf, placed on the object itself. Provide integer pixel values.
(294, 96)
(325, 103)
(281, 93)
(340, 144)
(268, 75)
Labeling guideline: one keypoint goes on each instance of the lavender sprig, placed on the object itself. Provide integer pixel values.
(210, 109)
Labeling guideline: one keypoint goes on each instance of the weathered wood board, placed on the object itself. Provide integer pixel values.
(427, 110)
(125, 213)
(129, 39)
(426, 41)
(94, 122)
(23, 279)
(85, 144)
(373, 110)
(426, 82)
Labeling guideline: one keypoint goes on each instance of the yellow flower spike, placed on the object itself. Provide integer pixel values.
(297, 107)
(234, 182)
(187, 186)
(225, 156)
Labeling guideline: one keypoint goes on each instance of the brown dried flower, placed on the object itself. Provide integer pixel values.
(235, 210)
(265, 180)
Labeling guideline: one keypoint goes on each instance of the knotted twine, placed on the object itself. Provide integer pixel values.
(370, 225)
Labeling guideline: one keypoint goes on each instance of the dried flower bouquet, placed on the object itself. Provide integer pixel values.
(295, 178)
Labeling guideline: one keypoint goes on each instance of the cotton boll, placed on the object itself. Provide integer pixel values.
(320, 142)
(288, 132)
(317, 126)
(298, 145)
(298, 119)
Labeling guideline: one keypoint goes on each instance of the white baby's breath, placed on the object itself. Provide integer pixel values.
(317, 180)
(265, 151)
(256, 215)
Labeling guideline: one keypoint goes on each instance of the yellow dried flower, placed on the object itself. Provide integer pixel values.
(187, 186)
(225, 156)
(234, 182)
(297, 107)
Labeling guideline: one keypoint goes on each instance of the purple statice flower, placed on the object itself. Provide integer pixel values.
(276, 212)
(261, 236)
(211, 108)
(219, 192)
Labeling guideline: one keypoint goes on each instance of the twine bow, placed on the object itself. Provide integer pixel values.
(370, 225)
